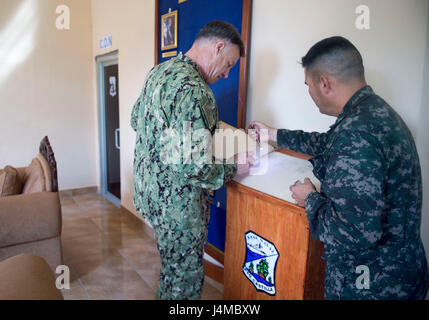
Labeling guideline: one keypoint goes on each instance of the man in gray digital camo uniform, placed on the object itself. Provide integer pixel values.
(368, 213)
(175, 118)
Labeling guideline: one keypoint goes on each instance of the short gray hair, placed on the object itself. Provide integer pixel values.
(222, 30)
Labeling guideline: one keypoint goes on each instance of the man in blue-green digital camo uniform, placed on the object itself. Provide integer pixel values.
(174, 119)
(368, 211)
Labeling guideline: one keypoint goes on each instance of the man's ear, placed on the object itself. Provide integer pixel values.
(325, 84)
(219, 47)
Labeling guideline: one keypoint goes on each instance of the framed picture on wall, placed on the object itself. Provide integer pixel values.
(169, 31)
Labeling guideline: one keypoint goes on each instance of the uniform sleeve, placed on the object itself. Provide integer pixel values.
(305, 142)
(348, 212)
(189, 143)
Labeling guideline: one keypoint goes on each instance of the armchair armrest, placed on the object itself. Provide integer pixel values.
(29, 217)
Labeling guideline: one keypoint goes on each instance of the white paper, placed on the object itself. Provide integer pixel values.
(281, 172)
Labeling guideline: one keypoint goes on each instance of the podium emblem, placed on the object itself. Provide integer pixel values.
(260, 264)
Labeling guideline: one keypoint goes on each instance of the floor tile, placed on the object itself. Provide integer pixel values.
(79, 228)
(111, 223)
(125, 285)
(109, 254)
(70, 209)
(108, 276)
(145, 260)
(210, 292)
(75, 293)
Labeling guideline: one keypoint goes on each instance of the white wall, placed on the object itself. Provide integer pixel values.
(283, 31)
(131, 24)
(46, 87)
(395, 52)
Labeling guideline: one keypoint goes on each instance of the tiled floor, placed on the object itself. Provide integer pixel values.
(108, 253)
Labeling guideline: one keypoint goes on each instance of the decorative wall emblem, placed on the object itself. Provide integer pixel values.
(260, 264)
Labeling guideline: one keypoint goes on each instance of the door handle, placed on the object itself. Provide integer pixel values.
(117, 139)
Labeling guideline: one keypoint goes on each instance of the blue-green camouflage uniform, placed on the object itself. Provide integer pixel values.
(368, 212)
(174, 119)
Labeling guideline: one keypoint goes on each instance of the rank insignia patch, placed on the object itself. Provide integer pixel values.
(260, 264)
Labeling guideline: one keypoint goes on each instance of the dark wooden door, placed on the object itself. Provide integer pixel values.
(111, 96)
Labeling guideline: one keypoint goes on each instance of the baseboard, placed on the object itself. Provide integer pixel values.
(215, 253)
(213, 271)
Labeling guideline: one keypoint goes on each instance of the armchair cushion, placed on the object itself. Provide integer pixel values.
(46, 172)
(27, 277)
(31, 217)
(10, 182)
(34, 178)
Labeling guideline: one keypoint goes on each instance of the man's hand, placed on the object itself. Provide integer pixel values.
(255, 131)
(301, 190)
(243, 165)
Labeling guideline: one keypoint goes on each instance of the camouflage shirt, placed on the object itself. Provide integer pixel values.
(174, 119)
(368, 212)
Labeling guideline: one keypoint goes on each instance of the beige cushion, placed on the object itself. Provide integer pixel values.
(10, 182)
(27, 277)
(46, 172)
(34, 178)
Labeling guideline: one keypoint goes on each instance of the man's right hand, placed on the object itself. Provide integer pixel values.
(255, 131)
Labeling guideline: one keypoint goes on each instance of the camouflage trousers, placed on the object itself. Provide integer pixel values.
(182, 268)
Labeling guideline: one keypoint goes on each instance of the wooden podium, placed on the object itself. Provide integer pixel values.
(269, 251)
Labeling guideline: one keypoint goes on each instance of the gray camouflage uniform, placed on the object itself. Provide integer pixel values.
(368, 212)
(175, 118)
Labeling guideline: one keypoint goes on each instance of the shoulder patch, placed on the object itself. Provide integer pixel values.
(209, 113)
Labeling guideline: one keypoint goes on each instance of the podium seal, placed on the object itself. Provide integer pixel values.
(260, 264)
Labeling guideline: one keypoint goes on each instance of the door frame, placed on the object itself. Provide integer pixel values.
(102, 61)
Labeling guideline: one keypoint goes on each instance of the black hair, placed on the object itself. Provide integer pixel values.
(336, 56)
(222, 30)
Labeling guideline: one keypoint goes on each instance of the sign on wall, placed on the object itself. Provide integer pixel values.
(106, 42)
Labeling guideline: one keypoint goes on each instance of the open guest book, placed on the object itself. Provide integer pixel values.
(229, 141)
(272, 172)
